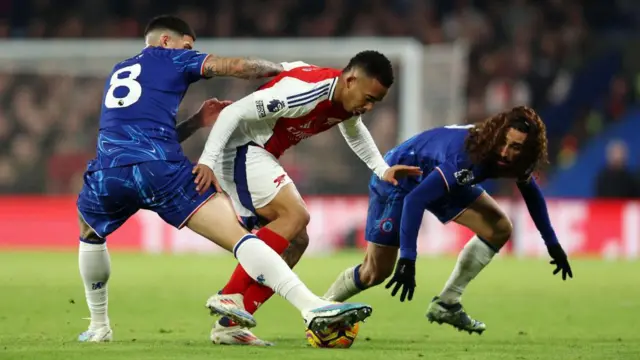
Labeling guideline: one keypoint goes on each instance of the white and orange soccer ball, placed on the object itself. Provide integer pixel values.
(340, 337)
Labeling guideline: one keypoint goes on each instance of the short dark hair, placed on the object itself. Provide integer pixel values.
(375, 65)
(170, 22)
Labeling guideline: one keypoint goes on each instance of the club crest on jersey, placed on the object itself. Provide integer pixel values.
(260, 108)
(464, 177)
(275, 105)
(386, 225)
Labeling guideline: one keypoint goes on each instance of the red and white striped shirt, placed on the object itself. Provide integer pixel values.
(292, 106)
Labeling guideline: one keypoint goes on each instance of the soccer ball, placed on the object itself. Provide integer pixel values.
(339, 337)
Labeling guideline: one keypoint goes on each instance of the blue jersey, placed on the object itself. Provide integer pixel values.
(446, 188)
(441, 149)
(139, 107)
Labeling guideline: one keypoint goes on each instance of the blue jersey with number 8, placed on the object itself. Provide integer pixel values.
(140, 103)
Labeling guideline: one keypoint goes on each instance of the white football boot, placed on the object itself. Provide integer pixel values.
(232, 307)
(101, 334)
(235, 335)
(343, 314)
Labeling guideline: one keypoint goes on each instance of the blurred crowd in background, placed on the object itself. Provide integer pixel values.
(522, 52)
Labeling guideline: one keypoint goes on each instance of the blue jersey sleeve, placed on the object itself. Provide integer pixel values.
(430, 189)
(446, 177)
(537, 207)
(190, 63)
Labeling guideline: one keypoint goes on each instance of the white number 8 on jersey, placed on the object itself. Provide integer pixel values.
(135, 90)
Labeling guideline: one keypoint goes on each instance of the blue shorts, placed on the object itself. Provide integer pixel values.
(385, 210)
(110, 196)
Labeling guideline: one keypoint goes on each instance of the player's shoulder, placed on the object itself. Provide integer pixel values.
(161, 52)
(302, 85)
(311, 74)
(154, 56)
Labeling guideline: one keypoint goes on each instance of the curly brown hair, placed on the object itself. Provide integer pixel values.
(486, 137)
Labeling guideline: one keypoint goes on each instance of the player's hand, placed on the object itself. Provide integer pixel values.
(560, 261)
(204, 179)
(400, 171)
(405, 278)
(209, 111)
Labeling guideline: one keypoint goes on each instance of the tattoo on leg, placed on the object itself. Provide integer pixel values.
(293, 253)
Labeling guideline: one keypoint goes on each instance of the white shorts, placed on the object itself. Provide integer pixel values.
(252, 177)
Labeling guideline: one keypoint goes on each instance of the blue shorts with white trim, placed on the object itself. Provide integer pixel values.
(110, 196)
(386, 205)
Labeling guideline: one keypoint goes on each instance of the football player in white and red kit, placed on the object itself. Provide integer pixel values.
(251, 134)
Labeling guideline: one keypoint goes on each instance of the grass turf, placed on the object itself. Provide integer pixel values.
(157, 311)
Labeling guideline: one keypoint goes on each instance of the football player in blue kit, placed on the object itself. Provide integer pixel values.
(454, 160)
(140, 165)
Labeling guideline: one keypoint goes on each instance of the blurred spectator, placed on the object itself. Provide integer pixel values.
(521, 52)
(616, 180)
(619, 98)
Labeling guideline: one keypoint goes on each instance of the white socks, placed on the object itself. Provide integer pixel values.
(267, 267)
(345, 286)
(95, 268)
(472, 259)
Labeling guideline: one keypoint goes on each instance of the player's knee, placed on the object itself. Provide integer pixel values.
(298, 218)
(87, 234)
(501, 231)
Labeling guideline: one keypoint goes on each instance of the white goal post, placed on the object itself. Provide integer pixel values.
(431, 78)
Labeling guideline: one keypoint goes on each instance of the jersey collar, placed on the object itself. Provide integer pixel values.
(332, 87)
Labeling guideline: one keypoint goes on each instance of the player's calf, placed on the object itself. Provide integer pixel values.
(297, 246)
(95, 268)
(378, 265)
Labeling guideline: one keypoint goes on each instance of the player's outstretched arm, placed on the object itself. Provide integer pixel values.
(243, 68)
(361, 143)
(537, 207)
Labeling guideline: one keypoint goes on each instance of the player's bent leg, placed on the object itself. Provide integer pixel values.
(216, 221)
(287, 217)
(492, 229)
(225, 331)
(106, 201)
(377, 266)
(95, 268)
(381, 231)
(256, 295)
(287, 213)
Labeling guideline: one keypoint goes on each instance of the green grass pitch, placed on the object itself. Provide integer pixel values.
(157, 311)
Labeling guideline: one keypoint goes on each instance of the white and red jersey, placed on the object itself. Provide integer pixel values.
(292, 106)
(296, 105)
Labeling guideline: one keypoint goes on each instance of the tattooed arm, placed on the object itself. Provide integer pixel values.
(243, 68)
(188, 127)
